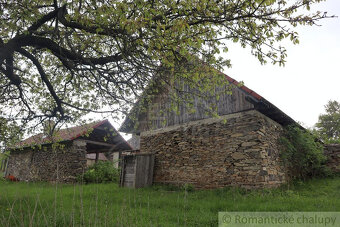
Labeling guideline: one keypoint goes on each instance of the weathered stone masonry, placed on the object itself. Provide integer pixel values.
(237, 149)
(45, 164)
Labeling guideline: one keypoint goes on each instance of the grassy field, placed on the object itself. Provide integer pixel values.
(33, 204)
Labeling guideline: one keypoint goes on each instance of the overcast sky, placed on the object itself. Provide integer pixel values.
(310, 77)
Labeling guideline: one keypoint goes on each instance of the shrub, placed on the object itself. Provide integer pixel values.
(188, 187)
(302, 154)
(100, 172)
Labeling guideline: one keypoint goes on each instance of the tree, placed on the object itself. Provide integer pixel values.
(61, 59)
(9, 136)
(10, 133)
(328, 126)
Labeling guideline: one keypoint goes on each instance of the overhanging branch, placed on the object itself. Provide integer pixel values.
(44, 79)
(61, 52)
(43, 20)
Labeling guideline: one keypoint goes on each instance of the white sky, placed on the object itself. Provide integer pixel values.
(311, 76)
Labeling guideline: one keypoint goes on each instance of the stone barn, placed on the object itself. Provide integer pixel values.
(40, 158)
(238, 148)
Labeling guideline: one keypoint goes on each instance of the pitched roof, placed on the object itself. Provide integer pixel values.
(243, 87)
(264, 106)
(260, 104)
(61, 135)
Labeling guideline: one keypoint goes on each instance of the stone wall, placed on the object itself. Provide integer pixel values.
(47, 164)
(332, 151)
(232, 150)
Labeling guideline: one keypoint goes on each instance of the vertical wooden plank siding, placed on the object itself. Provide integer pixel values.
(149, 180)
(137, 170)
(128, 171)
(160, 114)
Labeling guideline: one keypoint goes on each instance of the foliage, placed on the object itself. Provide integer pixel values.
(61, 59)
(10, 133)
(31, 204)
(328, 126)
(3, 162)
(101, 172)
(302, 154)
(188, 187)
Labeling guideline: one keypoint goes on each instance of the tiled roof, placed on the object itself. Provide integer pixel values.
(244, 88)
(61, 135)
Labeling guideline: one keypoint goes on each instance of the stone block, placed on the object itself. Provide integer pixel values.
(237, 135)
(238, 156)
(248, 144)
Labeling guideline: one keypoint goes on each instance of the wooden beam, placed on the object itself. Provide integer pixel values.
(99, 150)
(97, 156)
(104, 150)
(99, 143)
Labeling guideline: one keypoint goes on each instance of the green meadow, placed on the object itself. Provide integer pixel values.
(44, 204)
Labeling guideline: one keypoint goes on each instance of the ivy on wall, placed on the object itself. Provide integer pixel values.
(302, 154)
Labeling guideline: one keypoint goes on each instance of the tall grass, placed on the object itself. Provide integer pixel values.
(43, 204)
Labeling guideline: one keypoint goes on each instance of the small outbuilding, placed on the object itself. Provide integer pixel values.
(66, 154)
